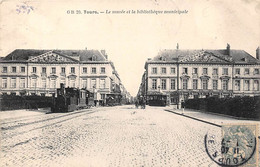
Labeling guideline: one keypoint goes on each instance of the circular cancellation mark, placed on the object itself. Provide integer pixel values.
(235, 147)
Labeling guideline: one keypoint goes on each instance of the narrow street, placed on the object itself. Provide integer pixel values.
(106, 136)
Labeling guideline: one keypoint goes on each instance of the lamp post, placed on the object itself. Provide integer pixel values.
(95, 94)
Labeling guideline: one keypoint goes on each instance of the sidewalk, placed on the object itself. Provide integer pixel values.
(210, 118)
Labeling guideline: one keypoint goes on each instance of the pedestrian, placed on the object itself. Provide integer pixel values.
(182, 106)
(143, 103)
(136, 103)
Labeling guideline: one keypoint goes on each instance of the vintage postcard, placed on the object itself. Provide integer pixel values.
(129, 83)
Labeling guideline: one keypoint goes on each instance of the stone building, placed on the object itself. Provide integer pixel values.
(182, 74)
(40, 72)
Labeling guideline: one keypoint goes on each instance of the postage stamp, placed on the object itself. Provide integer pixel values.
(234, 145)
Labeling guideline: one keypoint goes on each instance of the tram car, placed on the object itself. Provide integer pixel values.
(113, 99)
(70, 99)
(157, 100)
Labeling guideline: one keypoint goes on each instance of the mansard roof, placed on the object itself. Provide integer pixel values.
(205, 56)
(81, 55)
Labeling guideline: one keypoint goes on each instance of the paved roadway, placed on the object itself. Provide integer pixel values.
(109, 136)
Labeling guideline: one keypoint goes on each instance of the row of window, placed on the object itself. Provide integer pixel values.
(72, 83)
(53, 70)
(204, 71)
(13, 70)
(204, 84)
(13, 83)
(103, 96)
(163, 70)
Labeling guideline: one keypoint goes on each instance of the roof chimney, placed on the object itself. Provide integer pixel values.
(257, 53)
(177, 47)
(228, 49)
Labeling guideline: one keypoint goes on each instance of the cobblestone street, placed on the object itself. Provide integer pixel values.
(108, 136)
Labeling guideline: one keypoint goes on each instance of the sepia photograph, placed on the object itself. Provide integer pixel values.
(117, 83)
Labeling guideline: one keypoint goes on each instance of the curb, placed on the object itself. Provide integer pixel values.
(223, 115)
(194, 118)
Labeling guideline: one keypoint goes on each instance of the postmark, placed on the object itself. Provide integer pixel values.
(234, 145)
(24, 8)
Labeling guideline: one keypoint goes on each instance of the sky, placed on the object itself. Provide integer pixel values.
(129, 39)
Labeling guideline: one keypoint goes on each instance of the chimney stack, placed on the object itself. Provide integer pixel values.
(177, 47)
(257, 53)
(228, 49)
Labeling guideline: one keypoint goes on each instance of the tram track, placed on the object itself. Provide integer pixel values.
(20, 123)
(17, 119)
(44, 126)
(35, 125)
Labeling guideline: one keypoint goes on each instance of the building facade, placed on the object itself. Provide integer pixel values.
(184, 74)
(40, 72)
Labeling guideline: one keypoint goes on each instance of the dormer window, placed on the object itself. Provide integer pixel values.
(74, 53)
(94, 57)
(244, 59)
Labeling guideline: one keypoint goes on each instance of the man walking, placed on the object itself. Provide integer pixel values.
(182, 106)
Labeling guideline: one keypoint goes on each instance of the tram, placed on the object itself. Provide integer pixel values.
(70, 99)
(113, 99)
(157, 100)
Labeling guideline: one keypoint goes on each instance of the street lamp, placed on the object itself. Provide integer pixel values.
(95, 94)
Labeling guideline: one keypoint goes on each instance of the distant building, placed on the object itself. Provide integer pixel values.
(40, 72)
(184, 74)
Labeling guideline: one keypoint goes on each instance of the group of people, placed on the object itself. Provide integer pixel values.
(140, 102)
